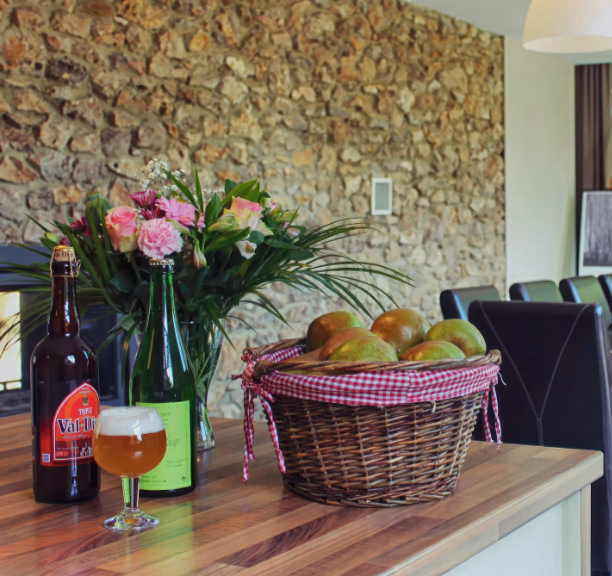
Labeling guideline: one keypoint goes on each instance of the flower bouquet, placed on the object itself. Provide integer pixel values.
(227, 247)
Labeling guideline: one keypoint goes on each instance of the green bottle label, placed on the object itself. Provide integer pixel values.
(174, 471)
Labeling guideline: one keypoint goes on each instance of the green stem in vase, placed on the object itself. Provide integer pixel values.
(204, 347)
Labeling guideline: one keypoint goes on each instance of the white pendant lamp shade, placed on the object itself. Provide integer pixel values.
(568, 26)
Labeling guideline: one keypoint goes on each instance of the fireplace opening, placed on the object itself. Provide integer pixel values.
(15, 361)
(10, 361)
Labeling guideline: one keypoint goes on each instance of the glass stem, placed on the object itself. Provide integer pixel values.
(131, 489)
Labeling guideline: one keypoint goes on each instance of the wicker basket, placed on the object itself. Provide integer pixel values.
(368, 455)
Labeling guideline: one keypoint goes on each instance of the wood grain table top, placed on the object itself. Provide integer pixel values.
(226, 527)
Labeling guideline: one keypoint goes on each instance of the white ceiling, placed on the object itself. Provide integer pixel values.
(504, 17)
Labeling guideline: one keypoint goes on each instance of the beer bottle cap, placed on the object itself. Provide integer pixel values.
(65, 254)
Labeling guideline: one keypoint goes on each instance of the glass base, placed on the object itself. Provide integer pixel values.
(205, 438)
(131, 521)
(203, 445)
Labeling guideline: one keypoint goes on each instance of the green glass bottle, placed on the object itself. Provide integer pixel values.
(163, 377)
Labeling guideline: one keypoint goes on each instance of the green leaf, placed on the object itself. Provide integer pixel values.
(213, 210)
(229, 186)
(198, 191)
(124, 282)
(182, 188)
(226, 240)
(247, 190)
(39, 224)
(94, 218)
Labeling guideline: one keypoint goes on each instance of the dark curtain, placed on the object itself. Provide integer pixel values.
(592, 101)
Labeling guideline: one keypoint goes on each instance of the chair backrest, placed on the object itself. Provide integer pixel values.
(455, 302)
(586, 289)
(535, 291)
(556, 370)
(605, 281)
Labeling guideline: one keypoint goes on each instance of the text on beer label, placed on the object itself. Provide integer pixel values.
(73, 424)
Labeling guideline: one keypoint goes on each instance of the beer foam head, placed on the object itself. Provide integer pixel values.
(129, 421)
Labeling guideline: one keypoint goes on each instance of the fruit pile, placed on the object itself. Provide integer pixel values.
(399, 334)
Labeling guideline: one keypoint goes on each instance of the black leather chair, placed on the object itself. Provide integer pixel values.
(605, 281)
(455, 302)
(535, 291)
(586, 289)
(556, 369)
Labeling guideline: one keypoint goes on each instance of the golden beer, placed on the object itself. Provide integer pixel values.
(127, 446)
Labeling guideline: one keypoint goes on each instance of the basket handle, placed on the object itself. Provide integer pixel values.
(330, 367)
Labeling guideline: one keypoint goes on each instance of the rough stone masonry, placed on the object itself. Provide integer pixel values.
(312, 97)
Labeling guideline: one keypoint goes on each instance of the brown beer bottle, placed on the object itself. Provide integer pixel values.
(65, 404)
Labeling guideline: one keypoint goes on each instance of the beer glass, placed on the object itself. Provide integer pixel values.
(129, 441)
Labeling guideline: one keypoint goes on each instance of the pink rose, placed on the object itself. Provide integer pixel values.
(158, 238)
(182, 212)
(122, 226)
(225, 223)
(247, 213)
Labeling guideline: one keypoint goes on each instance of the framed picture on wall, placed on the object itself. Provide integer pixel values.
(596, 233)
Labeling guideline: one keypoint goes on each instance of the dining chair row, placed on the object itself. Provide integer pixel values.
(455, 302)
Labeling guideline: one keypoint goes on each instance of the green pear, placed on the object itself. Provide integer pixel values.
(340, 337)
(461, 333)
(432, 350)
(364, 349)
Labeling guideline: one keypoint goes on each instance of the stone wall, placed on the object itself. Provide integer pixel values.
(313, 97)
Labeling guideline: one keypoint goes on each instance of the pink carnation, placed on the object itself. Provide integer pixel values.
(151, 213)
(122, 226)
(81, 225)
(182, 212)
(144, 198)
(158, 238)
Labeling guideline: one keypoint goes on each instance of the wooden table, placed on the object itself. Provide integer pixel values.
(227, 528)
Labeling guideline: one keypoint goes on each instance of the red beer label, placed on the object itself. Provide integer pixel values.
(71, 428)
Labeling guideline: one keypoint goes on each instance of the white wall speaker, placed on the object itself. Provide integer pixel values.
(382, 196)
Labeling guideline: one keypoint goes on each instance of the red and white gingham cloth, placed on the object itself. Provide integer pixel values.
(386, 388)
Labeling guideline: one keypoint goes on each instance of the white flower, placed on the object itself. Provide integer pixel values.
(246, 248)
(154, 177)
